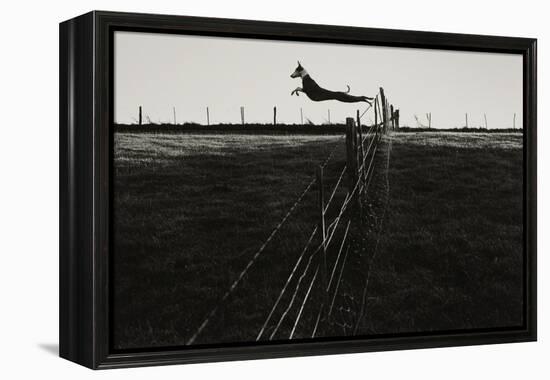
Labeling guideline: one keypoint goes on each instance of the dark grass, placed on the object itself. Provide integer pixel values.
(269, 128)
(191, 210)
(450, 253)
(463, 130)
(248, 128)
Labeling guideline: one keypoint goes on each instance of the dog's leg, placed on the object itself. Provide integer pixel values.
(296, 91)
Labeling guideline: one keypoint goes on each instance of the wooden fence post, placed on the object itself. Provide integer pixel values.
(514, 120)
(301, 116)
(275, 115)
(140, 119)
(397, 119)
(388, 116)
(242, 115)
(381, 120)
(207, 116)
(376, 116)
(361, 148)
(384, 109)
(355, 147)
(392, 118)
(322, 228)
(351, 150)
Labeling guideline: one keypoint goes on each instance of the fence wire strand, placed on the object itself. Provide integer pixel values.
(286, 284)
(250, 263)
(304, 303)
(335, 189)
(339, 281)
(338, 256)
(291, 303)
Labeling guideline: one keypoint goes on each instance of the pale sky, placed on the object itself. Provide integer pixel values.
(162, 71)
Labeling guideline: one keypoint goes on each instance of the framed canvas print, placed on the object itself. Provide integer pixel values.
(236, 189)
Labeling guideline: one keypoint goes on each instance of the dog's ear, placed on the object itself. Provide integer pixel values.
(299, 64)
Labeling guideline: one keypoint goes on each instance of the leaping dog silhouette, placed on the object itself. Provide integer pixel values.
(317, 93)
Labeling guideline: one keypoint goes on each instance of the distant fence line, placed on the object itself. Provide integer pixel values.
(150, 124)
(361, 143)
(333, 129)
(175, 126)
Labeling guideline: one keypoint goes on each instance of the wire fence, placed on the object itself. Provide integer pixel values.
(315, 280)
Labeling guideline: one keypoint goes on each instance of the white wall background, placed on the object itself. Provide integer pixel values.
(29, 188)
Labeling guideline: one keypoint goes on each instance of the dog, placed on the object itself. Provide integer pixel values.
(318, 94)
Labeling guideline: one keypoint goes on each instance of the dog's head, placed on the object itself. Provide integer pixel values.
(299, 72)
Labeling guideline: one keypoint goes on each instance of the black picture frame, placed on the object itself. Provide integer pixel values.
(86, 80)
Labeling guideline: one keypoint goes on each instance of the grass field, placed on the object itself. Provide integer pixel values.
(450, 251)
(191, 209)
